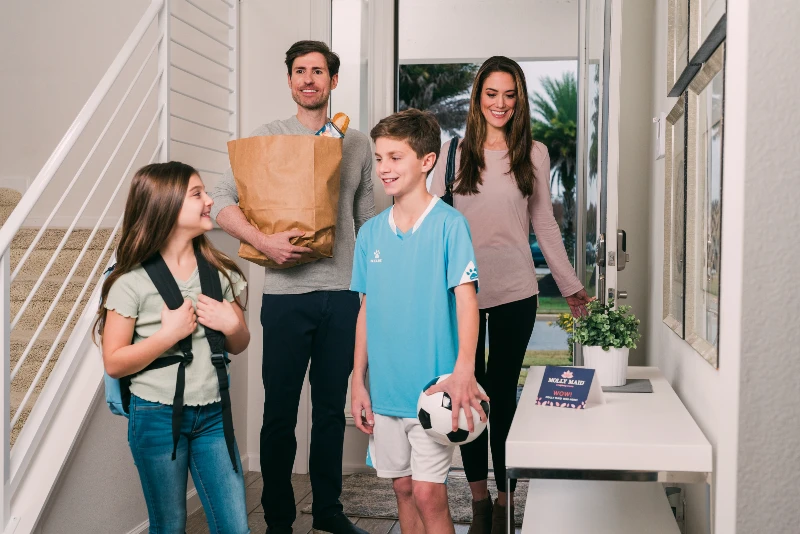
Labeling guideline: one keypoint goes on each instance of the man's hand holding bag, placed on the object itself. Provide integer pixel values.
(289, 189)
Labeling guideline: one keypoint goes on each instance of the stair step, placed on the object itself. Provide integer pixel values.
(38, 259)
(53, 236)
(9, 197)
(34, 313)
(47, 292)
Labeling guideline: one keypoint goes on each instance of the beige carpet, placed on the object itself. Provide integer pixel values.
(366, 495)
(54, 280)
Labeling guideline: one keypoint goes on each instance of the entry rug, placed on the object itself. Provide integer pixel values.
(366, 495)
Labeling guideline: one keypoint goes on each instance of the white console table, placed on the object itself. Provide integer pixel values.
(577, 459)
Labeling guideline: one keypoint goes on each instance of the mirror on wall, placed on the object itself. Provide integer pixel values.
(693, 172)
(704, 206)
(674, 217)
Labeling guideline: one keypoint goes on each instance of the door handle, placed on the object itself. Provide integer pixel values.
(601, 250)
(622, 255)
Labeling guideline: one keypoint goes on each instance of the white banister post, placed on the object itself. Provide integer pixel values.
(233, 76)
(5, 385)
(164, 86)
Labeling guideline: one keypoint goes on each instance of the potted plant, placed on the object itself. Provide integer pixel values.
(607, 335)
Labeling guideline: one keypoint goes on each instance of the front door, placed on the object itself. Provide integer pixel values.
(416, 53)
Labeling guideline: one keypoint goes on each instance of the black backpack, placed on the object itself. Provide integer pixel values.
(450, 171)
(119, 399)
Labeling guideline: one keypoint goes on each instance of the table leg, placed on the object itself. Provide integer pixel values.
(510, 527)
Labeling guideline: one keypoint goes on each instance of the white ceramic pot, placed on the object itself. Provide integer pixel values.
(611, 368)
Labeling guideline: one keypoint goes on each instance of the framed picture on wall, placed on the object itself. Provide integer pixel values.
(675, 218)
(705, 114)
(677, 40)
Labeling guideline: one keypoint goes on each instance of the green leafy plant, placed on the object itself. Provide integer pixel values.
(607, 327)
(564, 322)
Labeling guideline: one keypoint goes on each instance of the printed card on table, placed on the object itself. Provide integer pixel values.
(569, 387)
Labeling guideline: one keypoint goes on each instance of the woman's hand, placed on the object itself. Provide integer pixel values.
(577, 303)
(217, 315)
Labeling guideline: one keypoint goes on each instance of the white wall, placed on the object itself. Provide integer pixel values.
(99, 490)
(53, 55)
(711, 395)
(441, 31)
(268, 29)
(635, 126)
(768, 464)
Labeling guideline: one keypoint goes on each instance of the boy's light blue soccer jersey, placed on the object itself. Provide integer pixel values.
(412, 329)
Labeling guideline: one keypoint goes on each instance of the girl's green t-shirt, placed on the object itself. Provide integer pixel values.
(134, 295)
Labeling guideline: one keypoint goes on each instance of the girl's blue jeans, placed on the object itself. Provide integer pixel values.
(202, 450)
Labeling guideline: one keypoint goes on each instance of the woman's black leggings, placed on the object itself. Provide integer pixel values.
(510, 328)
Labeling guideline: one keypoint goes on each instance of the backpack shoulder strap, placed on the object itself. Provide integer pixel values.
(167, 287)
(211, 287)
(450, 171)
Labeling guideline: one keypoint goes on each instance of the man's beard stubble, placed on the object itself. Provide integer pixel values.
(322, 104)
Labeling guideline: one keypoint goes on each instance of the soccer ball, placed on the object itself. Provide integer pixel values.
(435, 414)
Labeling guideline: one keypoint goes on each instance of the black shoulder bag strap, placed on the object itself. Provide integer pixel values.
(450, 171)
(168, 288)
(209, 282)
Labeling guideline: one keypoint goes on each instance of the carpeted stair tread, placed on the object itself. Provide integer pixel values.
(9, 197)
(53, 236)
(44, 297)
(48, 290)
(66, 259)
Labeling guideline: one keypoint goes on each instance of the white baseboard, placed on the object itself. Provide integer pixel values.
(192, 505)
(351, 469)
(251, 462)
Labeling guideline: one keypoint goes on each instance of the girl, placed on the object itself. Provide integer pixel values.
(502, 187)
(168, 212)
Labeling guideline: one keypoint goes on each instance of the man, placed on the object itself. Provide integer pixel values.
(307, 311)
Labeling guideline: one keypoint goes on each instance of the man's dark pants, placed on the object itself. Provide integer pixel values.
(320, 327)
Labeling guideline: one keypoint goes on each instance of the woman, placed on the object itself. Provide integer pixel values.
(502, 187)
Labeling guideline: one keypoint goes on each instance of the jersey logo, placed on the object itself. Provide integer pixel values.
(470, 274)
(377, 258)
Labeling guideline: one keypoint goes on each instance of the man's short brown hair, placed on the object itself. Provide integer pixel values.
(301, 48)
(417, 128)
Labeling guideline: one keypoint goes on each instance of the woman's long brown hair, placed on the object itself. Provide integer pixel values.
(155, 199)
(517, 133)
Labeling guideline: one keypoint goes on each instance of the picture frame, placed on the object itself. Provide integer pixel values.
(677, 40)
(675, 218)
(704, 162)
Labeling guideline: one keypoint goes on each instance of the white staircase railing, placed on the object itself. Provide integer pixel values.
(188, 111)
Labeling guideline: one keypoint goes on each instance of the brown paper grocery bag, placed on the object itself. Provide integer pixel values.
(287, 182)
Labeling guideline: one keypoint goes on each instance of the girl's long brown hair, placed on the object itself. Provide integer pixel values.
(155, 199)
(517, 133)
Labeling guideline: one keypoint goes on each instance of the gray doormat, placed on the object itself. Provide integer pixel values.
(366, 495)
(633, 385)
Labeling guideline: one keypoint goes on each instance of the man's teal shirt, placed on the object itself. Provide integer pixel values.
(409, 278)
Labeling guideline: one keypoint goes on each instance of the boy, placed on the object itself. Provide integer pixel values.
(415, 266)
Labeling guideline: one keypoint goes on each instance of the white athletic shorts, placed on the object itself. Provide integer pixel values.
(399, 447)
